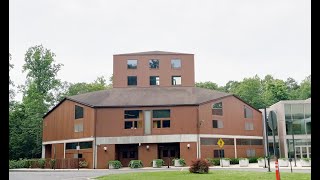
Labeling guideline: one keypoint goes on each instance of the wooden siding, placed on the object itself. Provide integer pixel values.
(59, 124)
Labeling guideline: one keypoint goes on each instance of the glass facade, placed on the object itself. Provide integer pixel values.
(298, 118)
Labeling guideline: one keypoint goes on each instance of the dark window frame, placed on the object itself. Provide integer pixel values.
(153, 80)
(130, 82)
(248, 112)
(217, 124)
(78, 112)
(217, 109)
(154, 63)
(132, 67)
(172, 64)
(173, 81)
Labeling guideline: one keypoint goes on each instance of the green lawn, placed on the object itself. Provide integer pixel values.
(216, 175)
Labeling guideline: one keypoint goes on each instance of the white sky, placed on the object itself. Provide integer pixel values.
(231, 39)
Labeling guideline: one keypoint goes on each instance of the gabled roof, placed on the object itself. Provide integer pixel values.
(143, 97)
(152, 53)
(156, 96)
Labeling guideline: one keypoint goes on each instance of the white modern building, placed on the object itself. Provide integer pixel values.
(293, 125)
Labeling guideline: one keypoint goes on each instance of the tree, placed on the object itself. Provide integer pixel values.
(11, 84)
(26, 118)
(275, 91)
(208, 85)
(250, 90)
(72, 89)
(231, 86)
(304, 92)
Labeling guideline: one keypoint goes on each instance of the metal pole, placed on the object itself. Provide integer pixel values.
(294, 146)
(78, 157)
(268, 153)
(220, 157)
(274, 137)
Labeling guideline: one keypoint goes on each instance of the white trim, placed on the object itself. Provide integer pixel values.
(68, 141)
(43, 154)
(230, 136)
(235, 147)
(166, 139)
(95, 154)
(147, 139)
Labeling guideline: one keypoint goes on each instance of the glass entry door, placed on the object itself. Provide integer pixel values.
(303, 152)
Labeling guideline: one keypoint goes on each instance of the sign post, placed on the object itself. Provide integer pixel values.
(220, 144)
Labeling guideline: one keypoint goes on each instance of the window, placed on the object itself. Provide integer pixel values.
(165, 123)
(154, 64)
(124, 154)
(132, 114)
(132, 64)
(165, 153)
(132, 80)
(218, 153)
(77, 155)
(175, 63)
(248, 126)
(176, 80)
(157, 124)
(154, 80)
(214, 141)
(217, 124)
(249, 142)
(251, 153)
(78, 127)
(128, 124)
(132, 154)
(217, 109)
(83, 145)
(78, 112)
(165, 113)
(247, 112)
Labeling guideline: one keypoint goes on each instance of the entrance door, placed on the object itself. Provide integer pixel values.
(169, 151)
(303, 152)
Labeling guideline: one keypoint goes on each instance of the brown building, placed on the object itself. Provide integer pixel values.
(153, 112)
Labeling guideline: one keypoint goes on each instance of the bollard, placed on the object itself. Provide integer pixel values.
(277, 170)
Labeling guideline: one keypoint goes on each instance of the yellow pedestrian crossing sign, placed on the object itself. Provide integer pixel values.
(220, 143)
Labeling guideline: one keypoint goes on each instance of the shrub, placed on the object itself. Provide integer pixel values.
(116, 164)
(135, 164)
(254, 159)
(159, 162)
(226, 159)
(21, 163)
(42, 163)
(52, 163)
(234, 160)
(83, 164)
(181, 161)
(306, 159)
(199, 166)
(214, 161)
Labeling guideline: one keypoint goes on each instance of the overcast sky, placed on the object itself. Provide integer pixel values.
(231, 39)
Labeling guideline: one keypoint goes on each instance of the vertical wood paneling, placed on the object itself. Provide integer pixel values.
(60, 122)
